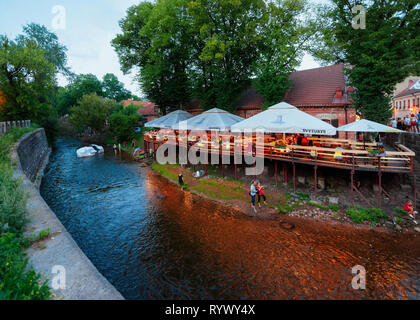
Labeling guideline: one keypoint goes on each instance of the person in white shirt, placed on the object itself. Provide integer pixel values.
(394, 123)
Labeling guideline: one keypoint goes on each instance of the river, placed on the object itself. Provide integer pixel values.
(153, 241)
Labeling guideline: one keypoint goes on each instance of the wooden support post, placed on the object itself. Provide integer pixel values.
(316, 180)
(294, 177)
(379, 183)
(352, 182)
(414, 191)
(275, 171)
(223, 170)
(206, 169)
(236, 171)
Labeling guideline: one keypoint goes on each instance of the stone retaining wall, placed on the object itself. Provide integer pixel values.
(59, 252)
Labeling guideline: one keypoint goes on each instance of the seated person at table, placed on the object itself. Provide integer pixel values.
(299, 140)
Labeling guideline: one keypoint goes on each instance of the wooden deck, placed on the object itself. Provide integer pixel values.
(324, 153)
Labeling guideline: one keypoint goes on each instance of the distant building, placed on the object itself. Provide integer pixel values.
(407, 100)
(147, 109)
(321, 92)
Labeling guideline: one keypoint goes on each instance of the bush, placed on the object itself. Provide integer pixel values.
(359, 215)
(122, 125)
(15, 282)
(12, 196)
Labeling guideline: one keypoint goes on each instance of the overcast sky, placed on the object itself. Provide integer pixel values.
(90, 25)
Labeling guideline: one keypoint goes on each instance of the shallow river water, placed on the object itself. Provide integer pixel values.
(153, 241)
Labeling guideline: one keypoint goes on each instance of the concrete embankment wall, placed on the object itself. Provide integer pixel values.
(59, 252)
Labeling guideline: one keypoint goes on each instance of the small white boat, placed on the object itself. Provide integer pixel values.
(86, 152)
(98, 149)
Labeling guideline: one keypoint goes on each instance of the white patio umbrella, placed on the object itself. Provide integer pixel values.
(366, 126)
(285, 118)
(214, 119)
(170, 120)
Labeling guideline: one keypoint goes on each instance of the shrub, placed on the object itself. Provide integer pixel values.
(15, 282)
(359, 215)
(122, 125)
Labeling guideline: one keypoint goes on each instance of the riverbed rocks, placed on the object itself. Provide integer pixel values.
(286, 225)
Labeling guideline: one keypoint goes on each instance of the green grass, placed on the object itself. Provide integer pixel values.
(360, 215)
(164, 171)
(218, 190)
(400, 212)
(16, 281)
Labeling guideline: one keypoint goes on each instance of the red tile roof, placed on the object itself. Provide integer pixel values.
(407, 91)
(313, 87)
(317, 87)
(146, 108)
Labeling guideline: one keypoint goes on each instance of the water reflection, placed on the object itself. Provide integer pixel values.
(153, 241)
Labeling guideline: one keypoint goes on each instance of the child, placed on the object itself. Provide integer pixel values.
(408, 207)
(260, 190)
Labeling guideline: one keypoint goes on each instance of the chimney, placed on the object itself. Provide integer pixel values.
(338, 93)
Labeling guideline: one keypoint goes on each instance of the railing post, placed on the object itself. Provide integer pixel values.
(379, 183)
(414, 183)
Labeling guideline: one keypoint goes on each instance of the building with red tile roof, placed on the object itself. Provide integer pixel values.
(322, 92)
(147, 109)
(407, 101)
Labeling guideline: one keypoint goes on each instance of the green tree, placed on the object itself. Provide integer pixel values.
(114, 89)
(155, 41)
(381, 55)
(54, 51)
(91, 112)
(228, 35)
(82, 84)
(122, 125)
(27, 80)
(285, 38)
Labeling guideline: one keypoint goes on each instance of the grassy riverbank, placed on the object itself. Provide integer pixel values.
(280, 201)
(16, 281)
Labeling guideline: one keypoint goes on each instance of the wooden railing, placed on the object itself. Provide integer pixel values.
(6, 126)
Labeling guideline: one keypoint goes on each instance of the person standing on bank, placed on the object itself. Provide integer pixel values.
(181, 180)
(253, 193)
(260, 190)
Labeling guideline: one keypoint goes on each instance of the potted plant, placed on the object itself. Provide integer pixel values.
(376, 152)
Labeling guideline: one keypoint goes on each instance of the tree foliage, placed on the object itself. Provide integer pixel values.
(381, 55)
(91, 112)
(287, 30)
(122, 125)
(27, 80)
(114, 89)
(211, 49)
(85, 84)
(54, 51)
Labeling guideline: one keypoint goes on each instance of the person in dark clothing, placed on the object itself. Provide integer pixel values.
(181, 179)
